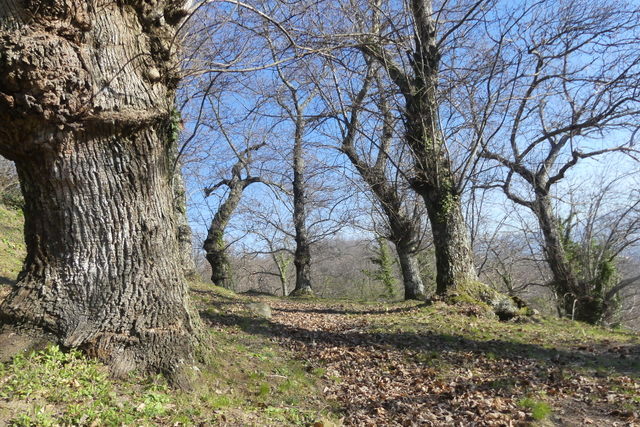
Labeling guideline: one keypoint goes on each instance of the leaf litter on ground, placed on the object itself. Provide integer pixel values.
(412, 364)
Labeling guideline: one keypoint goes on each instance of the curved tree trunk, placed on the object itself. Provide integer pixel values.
(215, 245)
(88, 89)
(435, 180)
(404, 229)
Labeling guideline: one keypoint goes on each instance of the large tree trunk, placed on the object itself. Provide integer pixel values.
(413, 285)
(454, 258)
(302, 256)
(86, 95)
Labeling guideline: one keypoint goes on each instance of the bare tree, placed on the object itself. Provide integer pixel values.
(423, 51)
(597, 235)
(565, 87)
(215, 245)
(369, 149)
(417, 80)
(294, 107)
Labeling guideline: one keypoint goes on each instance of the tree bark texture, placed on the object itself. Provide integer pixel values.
(454, 258)
(302, 255)
(86, 95)
(413, 285)
(214, 245)
(187, 260)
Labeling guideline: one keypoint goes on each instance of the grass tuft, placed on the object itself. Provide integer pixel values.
(539, 410)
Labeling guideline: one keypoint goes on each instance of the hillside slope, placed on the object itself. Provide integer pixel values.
(323, 363)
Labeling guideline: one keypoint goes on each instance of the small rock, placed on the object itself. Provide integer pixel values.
(504, 307)
(260, 309)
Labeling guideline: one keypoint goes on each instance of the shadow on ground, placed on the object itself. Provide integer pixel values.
(332, 310)
(6, 281)
(430, 342)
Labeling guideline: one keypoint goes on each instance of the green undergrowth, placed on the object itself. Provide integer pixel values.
(248, 375)
(247, 380)
(52, 387)
(539, 409)
(12, 249)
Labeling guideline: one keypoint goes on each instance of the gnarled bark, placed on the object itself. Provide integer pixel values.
(86, 91)
(434, 179)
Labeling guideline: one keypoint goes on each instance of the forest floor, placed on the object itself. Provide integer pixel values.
(326, 363)
(408, 363)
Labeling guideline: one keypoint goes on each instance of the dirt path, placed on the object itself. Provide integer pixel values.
(424, 378)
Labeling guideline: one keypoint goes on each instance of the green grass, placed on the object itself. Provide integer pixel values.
(52, 387)
(12, 249)
(539, 410)
(547, 333)
(245, 381)
(248, 379)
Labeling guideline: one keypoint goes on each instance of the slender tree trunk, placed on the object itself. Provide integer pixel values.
(283, 264)
(302, 256)
(403, 229)
(86, 95)
(413, 286)
(184, 229)
(215, 245)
